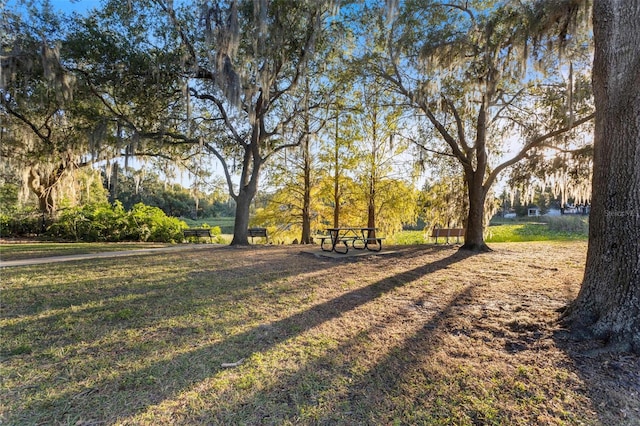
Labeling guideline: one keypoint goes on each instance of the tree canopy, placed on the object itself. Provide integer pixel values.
(468, 68)
(241, 81)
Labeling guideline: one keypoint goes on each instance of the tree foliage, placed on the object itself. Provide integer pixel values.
(44, 131)
(466, 67)
(221, 79)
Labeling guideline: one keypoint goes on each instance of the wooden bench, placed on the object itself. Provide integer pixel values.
(198, 232)
(258, 232)
(446, 233)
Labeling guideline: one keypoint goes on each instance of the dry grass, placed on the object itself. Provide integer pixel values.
(426, 335)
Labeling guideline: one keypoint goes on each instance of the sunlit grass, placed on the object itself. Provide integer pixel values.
(225, 223)
(552, 229)
(534, 231)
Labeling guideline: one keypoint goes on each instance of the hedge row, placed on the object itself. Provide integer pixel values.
(99, 222)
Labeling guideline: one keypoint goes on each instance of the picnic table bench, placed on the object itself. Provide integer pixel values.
(355, 236)
(198, 233)
(446, 233)
(258, 232)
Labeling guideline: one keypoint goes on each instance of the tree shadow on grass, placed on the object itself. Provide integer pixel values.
(333, 389)
(127, 393)
(62, 314)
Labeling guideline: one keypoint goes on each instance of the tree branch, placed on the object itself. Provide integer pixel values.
(24, 119)
(421, 146)
(223, 113)
(533, 143)
(459, 125)
(450, 140)
(225, 168)
(506, 104)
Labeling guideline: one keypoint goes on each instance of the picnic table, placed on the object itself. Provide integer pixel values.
(360, 238)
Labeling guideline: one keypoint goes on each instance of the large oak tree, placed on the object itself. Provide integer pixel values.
(466, 67)
(45, 112)
(222, 78)
(608, 305)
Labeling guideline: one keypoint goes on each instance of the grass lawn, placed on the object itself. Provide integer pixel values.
(17, 251)
(564, 228)
(225, 223)
(522, 232)
(275, 335)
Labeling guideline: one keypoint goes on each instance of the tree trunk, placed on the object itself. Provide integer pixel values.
(241, 223)
(42, 185)
(474, 228)
(371, 213)
(248, 188)
(114, 183)
(305, 238)
(46, 203)
(608, 305)
(336, 181)
(371, 210)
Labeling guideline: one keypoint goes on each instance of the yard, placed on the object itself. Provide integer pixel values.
(275, 335)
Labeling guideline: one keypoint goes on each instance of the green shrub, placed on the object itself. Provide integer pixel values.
(103, 222)
(5, 220)
(23, 224)
(90, 223)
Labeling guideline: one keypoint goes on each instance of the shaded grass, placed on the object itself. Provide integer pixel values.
(424, 336)
(22, 250)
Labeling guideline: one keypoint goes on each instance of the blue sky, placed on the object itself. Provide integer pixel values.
(66, 6)
(75, 5)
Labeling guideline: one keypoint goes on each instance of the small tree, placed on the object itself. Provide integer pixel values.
(382, 171)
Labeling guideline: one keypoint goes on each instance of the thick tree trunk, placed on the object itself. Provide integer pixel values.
(245, 196)
(608, 305)
(241, 223)
(474, 229)
(42, 185)
(251, 165)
